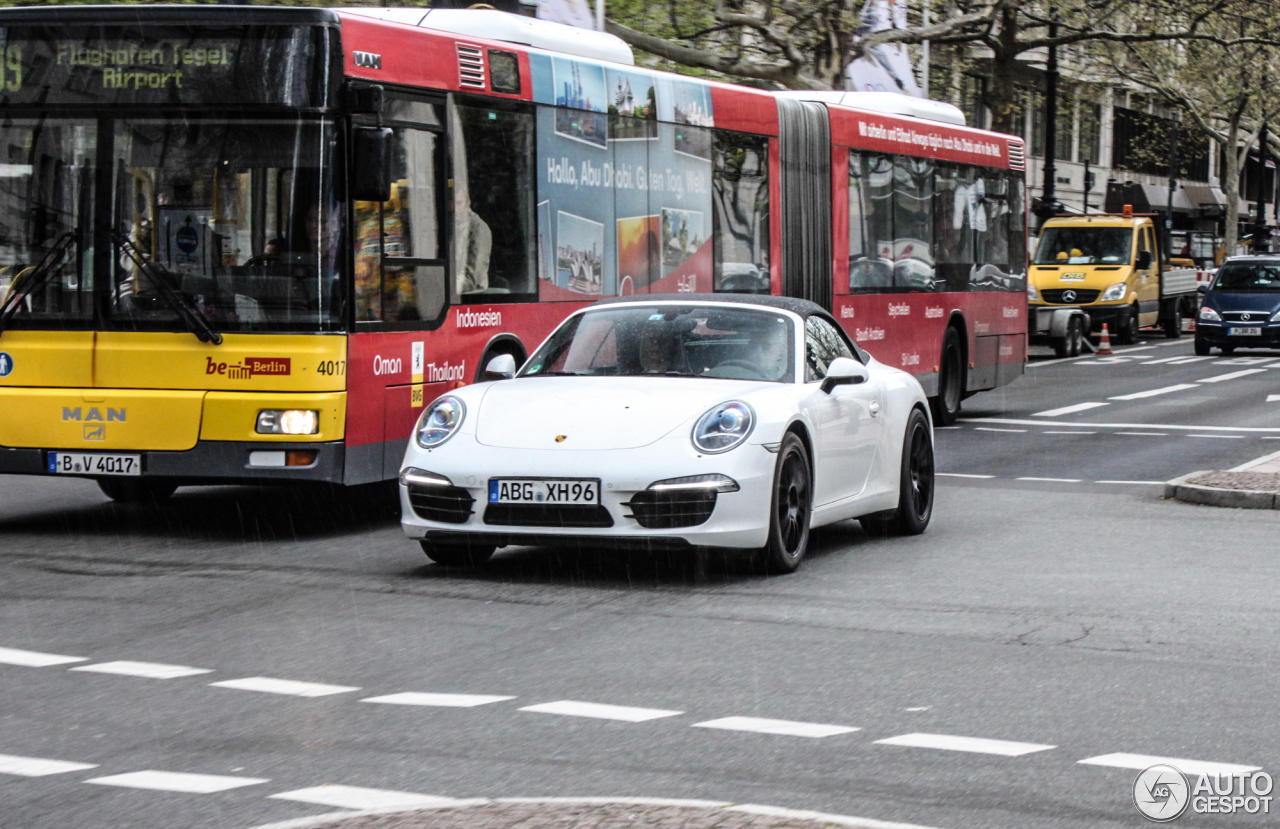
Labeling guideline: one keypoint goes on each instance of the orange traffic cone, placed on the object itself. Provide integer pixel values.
(1104, 345)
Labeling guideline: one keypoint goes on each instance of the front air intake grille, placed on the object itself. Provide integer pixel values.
(1077, 296)
(668, 509)
(471, 67)
(1255, 317)
(1017, 156)
(547, 515)
(446, 504)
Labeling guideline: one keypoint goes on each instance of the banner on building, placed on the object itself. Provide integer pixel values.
(887, 67)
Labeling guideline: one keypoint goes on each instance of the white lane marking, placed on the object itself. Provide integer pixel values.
(177, 781)
(1068, 433)
(290, 687)
(150, 670)
(600, 711)
(787, 728)
(438, 700)
(1052, 480)
(1079, 407)
(38, 766)
(917, 708)
(355, 797)
(1223, 437)
(1163, 360)
(1233, 375)
(1151, 483)
(1243, 361)
(35, 659)
(940, 428)
(1145, 434)
(1138, 395)
(979, 745)
(961, 475)
(1273, 398)
(1017, 422)
(986, 429)
(1145, 761)
(1189, 360)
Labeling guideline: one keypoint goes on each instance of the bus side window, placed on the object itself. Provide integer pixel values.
(870, 222)
(740, 212)
(913, 224)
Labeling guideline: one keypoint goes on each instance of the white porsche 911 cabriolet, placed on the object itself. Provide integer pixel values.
(673, 421)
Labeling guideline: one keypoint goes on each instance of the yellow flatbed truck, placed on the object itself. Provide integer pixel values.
(1104, 269)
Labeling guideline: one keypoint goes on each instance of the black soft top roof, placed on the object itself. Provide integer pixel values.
(801, 307)
(194, 15)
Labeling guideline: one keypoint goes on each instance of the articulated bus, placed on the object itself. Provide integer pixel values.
(246, 244)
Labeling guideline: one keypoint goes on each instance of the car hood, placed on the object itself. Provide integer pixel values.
(1264, 302)
(595, 413)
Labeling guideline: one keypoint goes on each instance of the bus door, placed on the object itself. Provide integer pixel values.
(401, 289)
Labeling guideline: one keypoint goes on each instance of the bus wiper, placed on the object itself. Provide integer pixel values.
(33, 279)
(178, 301)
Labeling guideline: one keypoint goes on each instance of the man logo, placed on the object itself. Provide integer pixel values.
(367, 60)
(95, 432)
(560, 438)
(1161, 793)
(1068, 296)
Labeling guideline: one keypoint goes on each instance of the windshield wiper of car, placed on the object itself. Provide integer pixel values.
(178, 301)
(34, 278)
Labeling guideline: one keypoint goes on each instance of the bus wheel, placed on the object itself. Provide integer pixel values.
(460, 555)
(136, 490)
(946, 406)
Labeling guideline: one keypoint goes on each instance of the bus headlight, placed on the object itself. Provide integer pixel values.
(288, 422)
(439, 422)
(1115, 293)
(724, 427)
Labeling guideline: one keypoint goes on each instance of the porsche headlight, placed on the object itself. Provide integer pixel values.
(439, 422)
(723, 427)
(1115, 293)
(1207, 313)
(1032, 294)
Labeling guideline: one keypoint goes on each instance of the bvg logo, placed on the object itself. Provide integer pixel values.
(95, 425)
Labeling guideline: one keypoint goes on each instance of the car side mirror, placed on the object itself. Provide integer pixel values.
(843, 372)
(1144, 260)
(1203, 289)
(502, 367)
(371, 164)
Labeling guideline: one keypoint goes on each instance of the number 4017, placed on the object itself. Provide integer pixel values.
(11, 69)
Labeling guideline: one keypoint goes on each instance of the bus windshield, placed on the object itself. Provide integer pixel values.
(1085, 246)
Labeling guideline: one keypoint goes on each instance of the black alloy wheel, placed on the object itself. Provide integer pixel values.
(916, 487)
(140, 491)
(791, 509)
(946, 406)
(461, 555)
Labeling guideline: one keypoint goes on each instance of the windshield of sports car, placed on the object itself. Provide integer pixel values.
(1085, 246)
(1248, 276)
(670, 341)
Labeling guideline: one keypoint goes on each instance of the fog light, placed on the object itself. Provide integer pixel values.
(288, 422)
(300, 457)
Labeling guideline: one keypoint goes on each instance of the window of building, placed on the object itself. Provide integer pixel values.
(740, 212)
(1090, 132)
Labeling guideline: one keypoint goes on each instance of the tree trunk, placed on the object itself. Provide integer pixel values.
(1231, 184)
(1001, 96)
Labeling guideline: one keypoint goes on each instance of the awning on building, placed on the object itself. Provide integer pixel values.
(1150, 198)
(1209, 201)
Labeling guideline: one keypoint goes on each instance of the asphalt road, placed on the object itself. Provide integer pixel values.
(1071, 619)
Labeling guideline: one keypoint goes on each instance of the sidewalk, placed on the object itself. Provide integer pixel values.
(1254, 485)
(586, 813)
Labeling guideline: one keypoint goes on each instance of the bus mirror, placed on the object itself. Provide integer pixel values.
(371, 164)
(1144, 260)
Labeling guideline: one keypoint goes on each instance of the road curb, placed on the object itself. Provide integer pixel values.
(1179, 489)
(707, 806)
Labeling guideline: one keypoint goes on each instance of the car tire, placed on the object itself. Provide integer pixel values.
(1202, 348)
(916, 485)
(1069, 345)
(1173, 322)
(136, 490)
(463, 556)
(791, 508)
(946, 405)
(1128, 333)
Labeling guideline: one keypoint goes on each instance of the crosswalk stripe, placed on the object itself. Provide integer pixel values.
(150, 670)
(979, 745)
(35, 659)
(787, 728)
(437, 700)
(1145, 761)
(355, 797)
(38, 766)
(177, 781)
(288, 687)
(595, 710)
